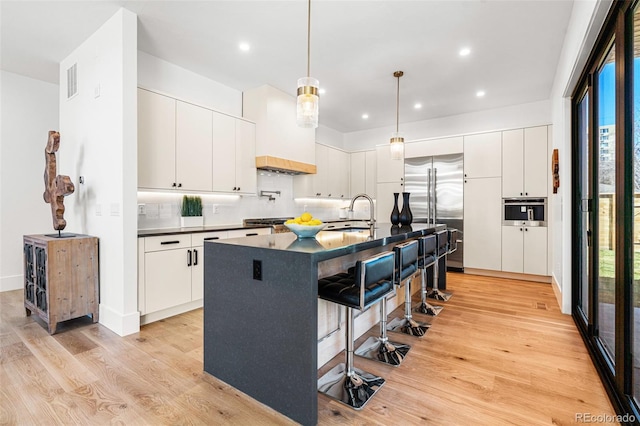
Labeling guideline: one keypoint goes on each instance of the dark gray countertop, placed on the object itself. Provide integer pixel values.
(173, 231)
(331, 244)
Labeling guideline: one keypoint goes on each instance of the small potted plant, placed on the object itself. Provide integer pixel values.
(191, 212)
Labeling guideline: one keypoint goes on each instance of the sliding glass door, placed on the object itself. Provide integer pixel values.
(606, 206)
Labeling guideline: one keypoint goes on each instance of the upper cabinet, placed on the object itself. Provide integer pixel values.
(234, 168)
(482, 155)
(331, 179)
(387, 169)
(524, 162)
(363, 173)
(156, 141)
(277, 133)
(194, 153)
(187, 147)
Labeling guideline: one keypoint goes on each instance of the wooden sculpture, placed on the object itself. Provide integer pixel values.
(55, 187)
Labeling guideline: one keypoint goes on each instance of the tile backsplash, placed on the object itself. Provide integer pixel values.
(163, 209)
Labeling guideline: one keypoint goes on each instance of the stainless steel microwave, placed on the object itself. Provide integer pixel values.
(524, 211)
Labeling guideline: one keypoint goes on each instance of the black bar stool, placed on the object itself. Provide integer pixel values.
(406, 269)
(442, 238)
(427, 257)
(371, 281)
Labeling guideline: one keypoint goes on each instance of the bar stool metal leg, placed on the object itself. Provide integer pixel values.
(408, 325)
(380, 348)
(344, 382)
(435, 293)
(425, 307)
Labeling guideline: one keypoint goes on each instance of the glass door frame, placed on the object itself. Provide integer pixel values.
(617, 377)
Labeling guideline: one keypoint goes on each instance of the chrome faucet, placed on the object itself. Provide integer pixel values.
(371, 222)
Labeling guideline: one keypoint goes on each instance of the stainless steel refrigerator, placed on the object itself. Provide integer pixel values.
(436, 186)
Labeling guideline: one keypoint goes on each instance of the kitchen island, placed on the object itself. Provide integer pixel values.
(261, 309)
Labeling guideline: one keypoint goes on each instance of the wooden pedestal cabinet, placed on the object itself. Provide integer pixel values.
(60, 277)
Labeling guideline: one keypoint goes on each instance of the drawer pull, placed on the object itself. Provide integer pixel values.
(251, 234)
(211, 238)
(164, 243)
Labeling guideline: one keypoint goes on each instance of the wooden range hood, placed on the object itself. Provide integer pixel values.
(282, 165)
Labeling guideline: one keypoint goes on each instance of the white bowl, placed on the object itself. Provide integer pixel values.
(305, 231)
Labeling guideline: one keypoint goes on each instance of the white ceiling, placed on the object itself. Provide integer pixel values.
(355, 48)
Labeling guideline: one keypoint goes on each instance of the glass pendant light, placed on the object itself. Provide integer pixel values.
(308, 97)
(397, 141)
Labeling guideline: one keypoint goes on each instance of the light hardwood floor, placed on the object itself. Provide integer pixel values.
(499, 353)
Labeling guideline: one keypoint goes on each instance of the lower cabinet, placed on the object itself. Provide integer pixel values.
(524, 249)
(171, 271)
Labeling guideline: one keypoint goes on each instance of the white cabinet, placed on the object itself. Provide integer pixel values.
(524, 249)
(171, 271)
(246, 175)
(387, 169)
(384, 200)
(234, 167)
(483, 155)
(194, 153)
(483, 223)
(167, 271)
(338, 170)
(363, 173)
(156, 140)
(187, 147)
(331, 179)
(277, 133)
(524, 162)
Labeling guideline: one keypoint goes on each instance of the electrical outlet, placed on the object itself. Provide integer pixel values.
(215, 209)
(142, 209)
(257, 270)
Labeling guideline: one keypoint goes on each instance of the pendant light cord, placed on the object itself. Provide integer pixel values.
(398, 104)
(309, 39)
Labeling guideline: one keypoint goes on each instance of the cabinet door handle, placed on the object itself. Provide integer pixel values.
(188, 257)
(520, 229)
(234, 188)
(211, 238)
(179, 185)
(526, 229)
(164, 243)
(195, 257)
(251, 234)
(173, 185)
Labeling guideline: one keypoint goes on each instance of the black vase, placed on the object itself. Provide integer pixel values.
(406, 217)
(395, 213)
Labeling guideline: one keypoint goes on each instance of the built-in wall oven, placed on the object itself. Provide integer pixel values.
(524, 211)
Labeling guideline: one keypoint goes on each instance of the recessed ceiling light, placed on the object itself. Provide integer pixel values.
(244, 47)
(365, 116)
(480, 93)
(465, 51)
(322, 91)
(418, 105)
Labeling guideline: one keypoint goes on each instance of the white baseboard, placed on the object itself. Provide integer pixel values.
(11, 282)
(559, 295)
(508, 275)
(169, 312)
(119, 323)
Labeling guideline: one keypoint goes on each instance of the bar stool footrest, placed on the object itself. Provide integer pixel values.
(410, 327)
(391, 353)
(427, 308)
(439, 295)
(354, 391)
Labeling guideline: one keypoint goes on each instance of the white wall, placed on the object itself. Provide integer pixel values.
(328, 136)
(28, 110)
(512, 117)
(164, 77)
(586, 20)
(99, 142)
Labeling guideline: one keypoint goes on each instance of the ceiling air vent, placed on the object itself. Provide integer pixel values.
(72, 81)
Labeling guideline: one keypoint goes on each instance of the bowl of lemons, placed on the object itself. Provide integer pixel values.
(305, 226)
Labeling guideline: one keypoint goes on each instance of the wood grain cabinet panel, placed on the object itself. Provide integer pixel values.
(60, 278)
